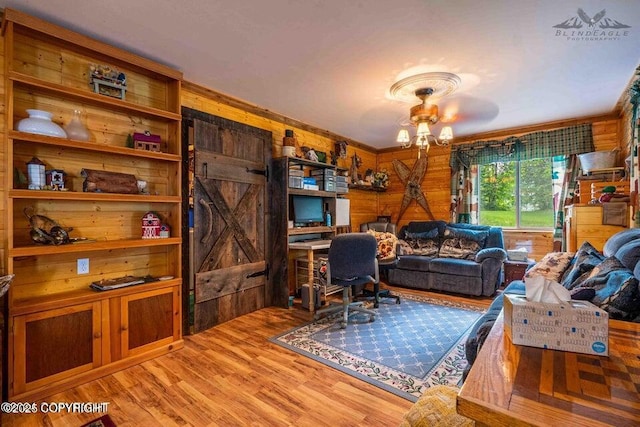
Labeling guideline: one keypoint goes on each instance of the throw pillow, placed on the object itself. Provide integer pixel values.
(386, 244)
(405, 248)
(552, 266)
(462, 243)
(583, 294)
(436, 407)
(584, 261)
(425, 243)
(616, 289)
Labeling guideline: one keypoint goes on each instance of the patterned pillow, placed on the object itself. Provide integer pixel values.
(585, 260)
(386, 244)
(552, 266)
(405, 248)
(425, 243)
(462, 243)
(616, 289)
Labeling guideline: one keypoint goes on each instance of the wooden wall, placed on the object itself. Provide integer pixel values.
(3, 172)
(364, 204)
(609, 132)
(606, 135)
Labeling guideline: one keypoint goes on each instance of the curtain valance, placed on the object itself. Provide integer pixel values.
(559, 142)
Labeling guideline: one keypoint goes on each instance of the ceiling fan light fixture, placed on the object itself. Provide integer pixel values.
(424, 86)
(423, 129)
(403, 137)
(446, 134)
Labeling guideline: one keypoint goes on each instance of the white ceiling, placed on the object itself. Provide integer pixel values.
(330, 63)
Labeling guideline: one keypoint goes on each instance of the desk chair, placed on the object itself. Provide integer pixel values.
(351, 261)
(384, 266)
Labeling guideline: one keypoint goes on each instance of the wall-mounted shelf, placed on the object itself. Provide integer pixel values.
(367, 188)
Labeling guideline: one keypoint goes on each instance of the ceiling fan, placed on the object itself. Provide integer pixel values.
(429, 87)
(425, 86)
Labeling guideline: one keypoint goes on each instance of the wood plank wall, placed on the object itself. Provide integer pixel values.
(624, 106)
(365, 205)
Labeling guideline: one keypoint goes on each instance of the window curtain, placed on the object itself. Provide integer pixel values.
(464, 195)
(564, 197)
(567, 141)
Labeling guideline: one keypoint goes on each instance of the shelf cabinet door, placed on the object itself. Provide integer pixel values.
(55, 344)
(149, 320)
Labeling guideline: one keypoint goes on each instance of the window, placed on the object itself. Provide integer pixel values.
(520, 194)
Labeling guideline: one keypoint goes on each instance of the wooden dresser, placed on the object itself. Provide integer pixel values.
(583, 222)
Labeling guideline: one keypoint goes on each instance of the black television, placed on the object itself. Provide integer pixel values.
(307, 209)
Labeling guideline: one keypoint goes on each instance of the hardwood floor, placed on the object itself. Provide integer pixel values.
(231, 375)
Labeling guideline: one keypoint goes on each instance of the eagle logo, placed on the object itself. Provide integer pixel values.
(591, 21)
(598, 20)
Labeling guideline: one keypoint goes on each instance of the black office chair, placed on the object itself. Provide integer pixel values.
(383, 266)
(351, 261)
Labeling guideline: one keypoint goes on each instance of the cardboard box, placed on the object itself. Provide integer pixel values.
(576, 326)
(309, 180)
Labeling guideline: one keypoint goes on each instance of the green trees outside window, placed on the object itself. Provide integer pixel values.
(519, 194)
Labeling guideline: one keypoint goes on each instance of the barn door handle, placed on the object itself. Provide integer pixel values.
(205, 169)
(209, 219)
(264, 172)
(264, 272)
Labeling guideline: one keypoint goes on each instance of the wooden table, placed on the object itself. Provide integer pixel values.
(310, 246)
(514, 270)
(512, 385)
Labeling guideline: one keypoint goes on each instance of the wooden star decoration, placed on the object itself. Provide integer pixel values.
(412, 178)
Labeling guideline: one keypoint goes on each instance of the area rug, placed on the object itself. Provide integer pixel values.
(103, 421)
(407, 349)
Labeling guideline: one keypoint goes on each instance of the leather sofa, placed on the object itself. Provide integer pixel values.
(624, 246)
(476, 275)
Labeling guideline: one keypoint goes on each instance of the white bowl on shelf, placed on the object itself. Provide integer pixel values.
(39, 122)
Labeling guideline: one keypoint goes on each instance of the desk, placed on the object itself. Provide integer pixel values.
(310, 246)
(512, 385)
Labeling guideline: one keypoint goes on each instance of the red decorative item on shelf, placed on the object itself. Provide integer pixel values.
(146, 141)
(150, 226)
(154, 228)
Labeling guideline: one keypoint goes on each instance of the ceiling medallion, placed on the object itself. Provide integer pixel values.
(441, 83)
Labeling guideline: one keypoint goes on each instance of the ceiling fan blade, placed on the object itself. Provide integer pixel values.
(467, 109)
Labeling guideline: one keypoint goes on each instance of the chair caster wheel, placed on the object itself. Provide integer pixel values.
(372, 318)
(398, 301)
(343, 325)
(376, 305)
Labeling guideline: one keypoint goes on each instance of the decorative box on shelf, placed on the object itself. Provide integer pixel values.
(108, 81)
(146, 141)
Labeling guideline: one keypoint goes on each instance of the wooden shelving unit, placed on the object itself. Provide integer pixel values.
(281, 208)
(61, 332)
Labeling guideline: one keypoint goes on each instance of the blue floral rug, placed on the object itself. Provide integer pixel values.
(407, 349)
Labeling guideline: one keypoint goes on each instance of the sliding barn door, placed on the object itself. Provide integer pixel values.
(230, 254)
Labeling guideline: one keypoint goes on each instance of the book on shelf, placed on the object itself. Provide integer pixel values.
(120, 282)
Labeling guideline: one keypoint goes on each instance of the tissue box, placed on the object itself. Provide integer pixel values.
(576, 326)
(520, 254)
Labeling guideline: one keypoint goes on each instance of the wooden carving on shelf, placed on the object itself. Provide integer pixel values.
(356, 162)
(412, 178)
